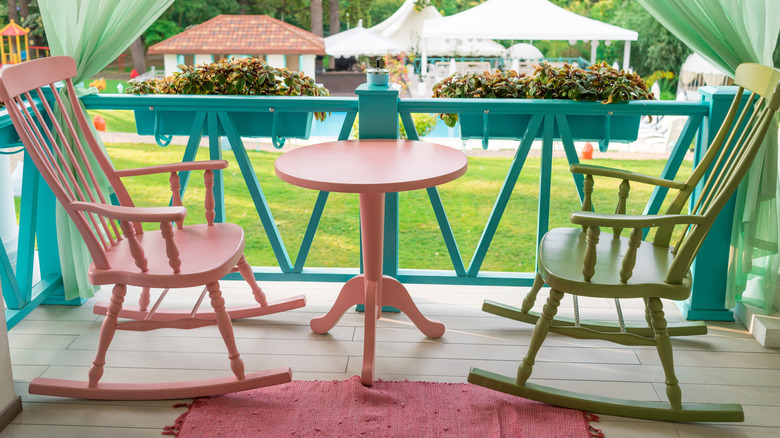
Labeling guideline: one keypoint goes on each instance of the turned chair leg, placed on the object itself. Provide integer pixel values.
(647, 314)
(540, 333)
(530, 298)
(107, 331)
(226, 329)
(246, 272)
(663, 344)
(144, 299)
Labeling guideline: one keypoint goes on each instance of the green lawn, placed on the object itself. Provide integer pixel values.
(468, 202)
(110, 85)
(116, 120)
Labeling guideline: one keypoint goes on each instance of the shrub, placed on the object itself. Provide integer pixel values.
(245, 76)
(599, 82)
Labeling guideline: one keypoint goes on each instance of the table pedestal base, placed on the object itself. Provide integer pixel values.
(374, 295)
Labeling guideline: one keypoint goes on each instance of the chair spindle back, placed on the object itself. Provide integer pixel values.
(725, 163)
(55, 144)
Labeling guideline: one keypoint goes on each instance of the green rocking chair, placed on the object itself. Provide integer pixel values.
(580, 263)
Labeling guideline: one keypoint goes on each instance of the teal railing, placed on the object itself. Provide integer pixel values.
(379, 109)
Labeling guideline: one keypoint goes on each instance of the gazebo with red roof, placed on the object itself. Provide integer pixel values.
(260, 36)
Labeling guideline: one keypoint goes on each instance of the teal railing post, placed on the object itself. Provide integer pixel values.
(37, 234)
(36, 224)
(708, 295)
(48, 250)
(378, 109)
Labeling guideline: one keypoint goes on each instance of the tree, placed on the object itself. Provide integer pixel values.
(656, 48)
(381, 9)
(12, 13)
(357, 10)
(450, 7)
(138, 53)
(316, 17)
(34, 22)
(295, 12)
(160, 30)
(334, 21)
(190, 12)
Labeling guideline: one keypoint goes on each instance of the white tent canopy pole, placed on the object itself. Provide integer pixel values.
(626, 55)
(424, 62)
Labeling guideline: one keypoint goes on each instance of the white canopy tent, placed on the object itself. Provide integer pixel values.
(524, 51)
(360, 41)
(697, 72)
(404, 27)
(525, 20)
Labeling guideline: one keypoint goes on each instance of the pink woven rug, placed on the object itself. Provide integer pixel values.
(388, 409)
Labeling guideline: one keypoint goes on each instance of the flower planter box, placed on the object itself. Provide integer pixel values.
(583, 128)
(249, 124)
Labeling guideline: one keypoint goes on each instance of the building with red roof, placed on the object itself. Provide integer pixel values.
(260, 36)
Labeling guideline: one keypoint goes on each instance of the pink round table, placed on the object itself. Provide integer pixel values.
(372, 168)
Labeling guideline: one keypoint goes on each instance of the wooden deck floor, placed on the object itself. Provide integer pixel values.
(725, 365)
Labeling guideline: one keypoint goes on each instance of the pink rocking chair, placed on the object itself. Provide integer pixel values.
(189, 256)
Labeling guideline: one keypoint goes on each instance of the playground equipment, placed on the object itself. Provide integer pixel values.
(13, 48)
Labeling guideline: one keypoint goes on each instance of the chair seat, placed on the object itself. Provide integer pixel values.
(561, 255)
(202, 261)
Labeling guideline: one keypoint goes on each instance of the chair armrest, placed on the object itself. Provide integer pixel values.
(589, 169)
(133, 214)
(588, 218)
(173, 167)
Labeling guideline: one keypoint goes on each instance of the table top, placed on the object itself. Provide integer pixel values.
(371, 166)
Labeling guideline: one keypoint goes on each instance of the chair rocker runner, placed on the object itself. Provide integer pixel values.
(585, 263)
(187, 256)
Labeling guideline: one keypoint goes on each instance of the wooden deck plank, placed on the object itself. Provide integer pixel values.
(727, 364)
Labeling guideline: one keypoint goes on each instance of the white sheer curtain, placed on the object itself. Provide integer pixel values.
(728, 33)
(94, 33)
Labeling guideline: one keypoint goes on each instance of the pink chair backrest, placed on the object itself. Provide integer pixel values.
(56, 148)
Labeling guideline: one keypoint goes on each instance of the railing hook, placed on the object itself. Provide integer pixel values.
(276, 140)
(604, 143)
(485, 129)
(160, 139)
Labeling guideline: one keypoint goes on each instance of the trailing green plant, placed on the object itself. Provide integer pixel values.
(244, 76)
(599, 82)
(500, 84)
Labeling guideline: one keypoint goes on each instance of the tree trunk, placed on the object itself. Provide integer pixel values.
(12, 14)
(334, 26)
(316, 17)
(334, 20)
(24, 9)
(137, 52)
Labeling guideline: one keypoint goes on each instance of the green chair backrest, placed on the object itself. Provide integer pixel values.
(726, 162)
